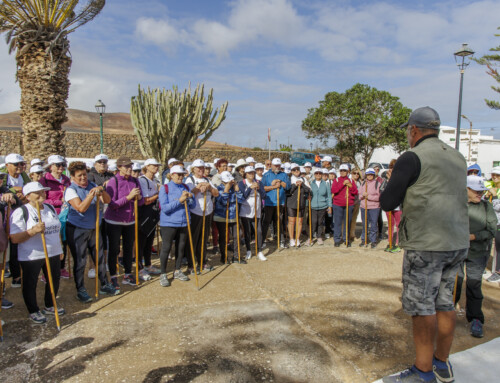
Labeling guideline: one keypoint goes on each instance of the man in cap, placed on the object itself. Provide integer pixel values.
(99, 173)
(267, 164)
(274, 181)
(429, 182)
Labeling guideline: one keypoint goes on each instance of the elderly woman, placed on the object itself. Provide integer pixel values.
(36, 173)
(120, 220)
(321, 202)
(292, 202)
(369, 197)
(57, 182)
(356, 178)
(25, 230)
(81, 196)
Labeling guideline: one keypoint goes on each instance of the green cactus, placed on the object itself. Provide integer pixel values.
(170, 124)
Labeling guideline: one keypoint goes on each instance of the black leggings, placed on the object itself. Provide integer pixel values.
(221, 226)
(317, 217)
(145, 245)
(127, 234)
(168, 235)
(248, 224)
(497, 247)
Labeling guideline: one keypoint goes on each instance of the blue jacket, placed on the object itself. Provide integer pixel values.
(221, 202)
(321, 197)
(173, 213)
(247, 191)
(474, 167)
(271, 196)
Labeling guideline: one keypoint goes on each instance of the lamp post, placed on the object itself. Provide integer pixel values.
(100, 108)
(311, 146)
(470, 135)
(460, 56)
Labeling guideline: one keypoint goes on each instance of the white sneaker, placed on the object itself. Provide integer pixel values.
(261, 256)
(249, 255)
(91, 273)
(144, 276)
(292, 243)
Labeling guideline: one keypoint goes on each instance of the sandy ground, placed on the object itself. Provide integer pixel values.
(317, 314)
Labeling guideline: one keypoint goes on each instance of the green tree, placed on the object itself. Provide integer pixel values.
(170, 124)
(492, 61)
(360, 120)
(37, 30)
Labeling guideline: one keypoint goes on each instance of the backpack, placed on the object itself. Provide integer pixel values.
(26, 213)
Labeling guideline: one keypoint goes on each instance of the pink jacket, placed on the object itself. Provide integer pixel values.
(56, 192)
(373, 194)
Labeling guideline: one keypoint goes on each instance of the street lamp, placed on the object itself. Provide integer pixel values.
(460, 56)
(470, 135)
(100, 108)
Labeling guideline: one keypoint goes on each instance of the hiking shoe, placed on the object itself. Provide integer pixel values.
(7, 304)
(337, 244)
(51, 311)
(164, 280)
(144, 275)
(442, 370)
(282, 245)
(91, 273)
(307, 243)
(373, 245)
(129, 279)
(178, 274)
(16, 283)
(191, 271)
(261, 256)
(249, 255)
(495, 277)
(38, 317)
(7, 274)
(264, 245)
(410, 375)
(396, 249)
(207, 267)
(64, 274)
(476, 328)
(83, 296)
(240, 261)
(152, 270)
(319, 241)
(109, 289)
(115, 284)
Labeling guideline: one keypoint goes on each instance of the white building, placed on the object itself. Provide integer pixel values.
(475, 147)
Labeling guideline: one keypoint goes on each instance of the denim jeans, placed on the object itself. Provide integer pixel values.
(372, 215)
(339, 217)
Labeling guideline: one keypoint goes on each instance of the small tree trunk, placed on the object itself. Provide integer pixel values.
(44, 82)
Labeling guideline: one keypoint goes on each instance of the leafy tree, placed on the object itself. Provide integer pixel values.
(360, 120)
(492, 62)
(37, 30)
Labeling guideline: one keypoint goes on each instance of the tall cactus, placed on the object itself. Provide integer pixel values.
(170, 124)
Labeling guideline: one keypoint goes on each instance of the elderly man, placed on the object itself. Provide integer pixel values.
(429, 181)
(99, 173)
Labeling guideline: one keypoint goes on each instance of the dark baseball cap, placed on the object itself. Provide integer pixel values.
(425, 117)
(123, 161)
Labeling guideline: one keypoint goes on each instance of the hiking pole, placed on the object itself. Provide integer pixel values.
(390, 230)
(310, 223)
(191, 245)
(97, 248)
(227, 226)
(136, 209)
(366, 214)
(238, 230)
(278, 209)
(347, 216)
(65, 245)
(255, 224)
(297, 232)
(7, 229)
(49, 271)
(203, 230)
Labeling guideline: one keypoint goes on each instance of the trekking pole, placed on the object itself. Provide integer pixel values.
(65, 245)
(191, 245)
(238, 230)
(366, 214)
(203, 230)
(278, 209)
(347, 216)
(310, 223)
(49, 271)
(7, 230)
(136, 209)
(390, 230)
(227, 226)
(97, 248)
(255, 224)
(297, 232)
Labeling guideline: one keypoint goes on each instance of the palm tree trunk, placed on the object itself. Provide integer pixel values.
(44, 82)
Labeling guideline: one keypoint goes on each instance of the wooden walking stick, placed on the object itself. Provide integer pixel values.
(255, 224)
(49, 271)
(7, 230)
(297, 232)
(310, 223)
(347, 216)
(97, 248)
(227, 226)
(278, 209)
(136, 209)
(203, 230)
(191, 245)
(366, 214)
(238, 230)
(390, 230)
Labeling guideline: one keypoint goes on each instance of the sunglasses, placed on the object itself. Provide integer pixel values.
(19, 164)
(60, 165)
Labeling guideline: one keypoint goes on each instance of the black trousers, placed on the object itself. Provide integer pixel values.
(317, 222)
(15, 268)
(81, 242)
(196, 234)
(117, 234)
(380, 223)
(271, 215)
(31, 271)
(221, 226)
(145, 244)
(473, 292)
(168, 236)
(497, 247)
(249, 224)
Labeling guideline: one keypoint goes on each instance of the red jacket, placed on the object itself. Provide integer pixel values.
(55, 194)
(339, 190)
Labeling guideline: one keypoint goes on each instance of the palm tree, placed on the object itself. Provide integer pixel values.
(37, 30)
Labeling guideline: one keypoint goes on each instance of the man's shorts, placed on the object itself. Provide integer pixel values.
(429, 280)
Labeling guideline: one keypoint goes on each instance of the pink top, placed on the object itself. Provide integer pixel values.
(56, 193)
(373, 194)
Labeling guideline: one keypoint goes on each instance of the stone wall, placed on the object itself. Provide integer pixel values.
(87, 145)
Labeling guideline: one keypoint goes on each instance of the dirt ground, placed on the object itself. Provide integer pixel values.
(317, 314)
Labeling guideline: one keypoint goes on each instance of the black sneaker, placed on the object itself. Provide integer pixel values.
(476, 328)
(16, 283)
(129, 279)
(373, 245)
(115, 284)
(83, 296)
(7, 304)
(109, 289)
(349, 244)
(337, 244)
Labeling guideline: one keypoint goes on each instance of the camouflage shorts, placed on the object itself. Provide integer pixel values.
(429, 280)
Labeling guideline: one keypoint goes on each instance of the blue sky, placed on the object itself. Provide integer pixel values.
(274, 59)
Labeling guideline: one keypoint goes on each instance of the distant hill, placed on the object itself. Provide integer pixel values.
(88, 122)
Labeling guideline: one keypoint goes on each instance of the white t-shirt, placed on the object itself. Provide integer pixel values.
(198, 210)
(32, 249)
(148, 188)
(318, 183)
(12, 182)
(70, 194)
(247, 209)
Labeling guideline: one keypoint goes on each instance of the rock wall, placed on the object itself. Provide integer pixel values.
(87, 145)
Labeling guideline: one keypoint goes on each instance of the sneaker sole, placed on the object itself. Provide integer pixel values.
(38, 322)
(117, 292)
(128, 283)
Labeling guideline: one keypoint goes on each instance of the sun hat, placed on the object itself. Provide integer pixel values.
(112, 168)
(317, 170)
(151, 161)
(177, 169)
(31, 187)
(198, 163)
(424, 117)
(249, 169)
(123, 161)
(302, 169)
(36, 169)
(101, 157)
(259, 165)
(13, 158)
(276, 161)
(226, 176)
(332, 171)
(241, 162)
(370, 171)
(476, 183)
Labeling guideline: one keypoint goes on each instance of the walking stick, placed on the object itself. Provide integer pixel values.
(97, 248)
(390, 230)
(227, 226)
(7, 230)
(238, 230)
(136, 242)
(366, 214)
(49, 271)
(347, 216)
(191, 245)
(255, 224)
(297, 233)
(310, 223)
(65, 245)
(203, 230)
(278, 209)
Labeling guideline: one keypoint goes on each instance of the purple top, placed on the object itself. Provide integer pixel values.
(56, 193)
(120, 209)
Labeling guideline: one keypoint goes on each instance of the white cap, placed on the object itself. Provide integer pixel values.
(151, 161)
(308, 165)
(101, 157)
(302, 169)
(136, 167)
(226, 176)
(56, 159)
(324, 171)
(89, 164)
(216, 160)
(230, 165)
(476, 183)
(36, 169)
(276, 161)
(294, 166)
(241, 162)
(209, 165)
(13, 158)
(250, 159)
(259, 165)
(112, 167)
(249, 169)
(370, 171)
(317, 170)
(31, 187)
(332, 171)
(35, 161)
(198, 164)
(177, 169)
(172, 160)
(327, 159)
(344, 167)
(495, 170)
